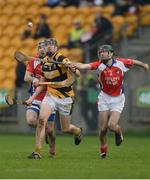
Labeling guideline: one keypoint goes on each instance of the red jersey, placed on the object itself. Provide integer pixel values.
(111, 77)
(35, 68)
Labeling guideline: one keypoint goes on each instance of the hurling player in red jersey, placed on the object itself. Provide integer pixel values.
(32, 75)
(111, 98)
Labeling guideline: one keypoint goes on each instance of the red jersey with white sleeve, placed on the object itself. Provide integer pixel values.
(34, 67)
(111, 77)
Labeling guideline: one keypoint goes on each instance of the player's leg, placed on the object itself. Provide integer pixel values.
(103, 109)
(32, 114)
(31, 118)
(48, 128)
(50, 134)
(65, 107)
(116, 107)
(114, 126)
(103, 121)
(46, 109)
(45, 112)
(67, 127)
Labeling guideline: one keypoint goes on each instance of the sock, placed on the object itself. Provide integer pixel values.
(104, 148)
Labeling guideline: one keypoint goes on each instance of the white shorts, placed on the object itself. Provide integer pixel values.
(63, 105)
(111, 103)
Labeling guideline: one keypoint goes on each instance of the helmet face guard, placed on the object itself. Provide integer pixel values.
(41, 49)
(51, 45)
(105, 48)
(51, 42)
(41, 45)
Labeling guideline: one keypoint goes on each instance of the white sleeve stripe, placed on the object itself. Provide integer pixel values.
(36, 63)
(101, 67)
(121, 66)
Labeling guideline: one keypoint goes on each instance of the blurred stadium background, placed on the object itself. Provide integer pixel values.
(130, 38)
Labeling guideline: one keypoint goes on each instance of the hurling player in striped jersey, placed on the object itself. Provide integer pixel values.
(111, 98)
(59, 95)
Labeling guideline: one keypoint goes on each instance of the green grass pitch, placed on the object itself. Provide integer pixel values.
(130, 160)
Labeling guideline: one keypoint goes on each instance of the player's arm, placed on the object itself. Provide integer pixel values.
(73, 69)
(35, 94)
(37, 91)
(141, 64)
(61, 58)
(77, 73)
(79, 66)
(28, 77)
(82, 66)
(65, 83)
(91, 66)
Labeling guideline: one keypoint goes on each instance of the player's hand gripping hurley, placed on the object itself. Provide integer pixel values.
(21, 57)
(12, 101)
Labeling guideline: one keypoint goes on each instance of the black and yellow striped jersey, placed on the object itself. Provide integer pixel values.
(57, 73)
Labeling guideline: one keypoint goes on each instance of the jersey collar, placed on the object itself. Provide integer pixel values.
(113, 62)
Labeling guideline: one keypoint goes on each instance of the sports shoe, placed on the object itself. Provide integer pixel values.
(103, 155)
(77, 138)
(103, 150)
(34, 155)
(118, 139)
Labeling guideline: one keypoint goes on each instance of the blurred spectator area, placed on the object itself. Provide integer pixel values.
(14, 13)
